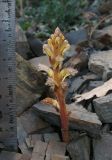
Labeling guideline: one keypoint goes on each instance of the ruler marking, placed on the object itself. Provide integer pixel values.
(8, 135)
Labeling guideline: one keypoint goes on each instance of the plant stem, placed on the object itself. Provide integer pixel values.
(63, 114)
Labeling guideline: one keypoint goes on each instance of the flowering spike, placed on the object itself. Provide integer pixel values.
(55, 49)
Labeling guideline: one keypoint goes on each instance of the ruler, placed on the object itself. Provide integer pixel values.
(8, 133)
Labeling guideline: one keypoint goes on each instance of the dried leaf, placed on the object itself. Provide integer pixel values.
(51, 101)
(98, 92)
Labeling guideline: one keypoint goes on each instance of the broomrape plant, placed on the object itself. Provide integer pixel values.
(55, 49)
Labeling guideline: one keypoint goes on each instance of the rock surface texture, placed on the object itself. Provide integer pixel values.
(103, 108)
(101, 64)
(79, 117)
(79, 149)
(103, 148)
(30, 84)
(22, 46)
(31, 122)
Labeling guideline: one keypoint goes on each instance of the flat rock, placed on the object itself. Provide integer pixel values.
(95, 84)
(79, 149)
(101, 64)
(26, 102)
(21, 135)
(32, 139)
(48, 129)
(103, 38)
(35, 44)
(30, 83)
(39, 151)
(51, 137)
(45, 151)
(58, 157)
(31, 122)
(55, 148)
(103, 108)
(80, 118)
(79, 81)
(102, 32)
(78, 61)
(75, 37)
(106, 128)
(102, 148)
(40, 60)
(5, 155)
(71, 52)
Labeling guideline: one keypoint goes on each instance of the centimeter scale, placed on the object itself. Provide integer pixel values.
(8, 135)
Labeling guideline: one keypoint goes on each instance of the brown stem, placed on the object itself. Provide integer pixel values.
(63, 114)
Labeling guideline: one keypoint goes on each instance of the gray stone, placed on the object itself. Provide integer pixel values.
(23, 100)
(5, 155)
(79, 149)
(73, 134)
(31, 122)
(103, 38)
(55, 148)
(78, 61)
(94, 84)
(75, 37)
(49, 129)
(30, 84)
(21, 135)
(39, 151)
(90, 107)
(22, 46)
(101, 64)
(32, 139)
(102, 32)
(51, 137)
(58, 157)
(106, 128)
(71, 52)
(102, 148)
(103, 108)
(40, 60)
(79, 118)
(35, 44)
(79, 81)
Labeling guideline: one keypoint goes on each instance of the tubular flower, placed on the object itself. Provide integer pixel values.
(61, 76)
(51, 101)
(56, 47)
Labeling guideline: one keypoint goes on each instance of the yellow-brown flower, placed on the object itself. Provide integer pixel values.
(56, 47)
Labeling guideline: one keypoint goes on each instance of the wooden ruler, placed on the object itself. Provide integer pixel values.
(8, 133)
